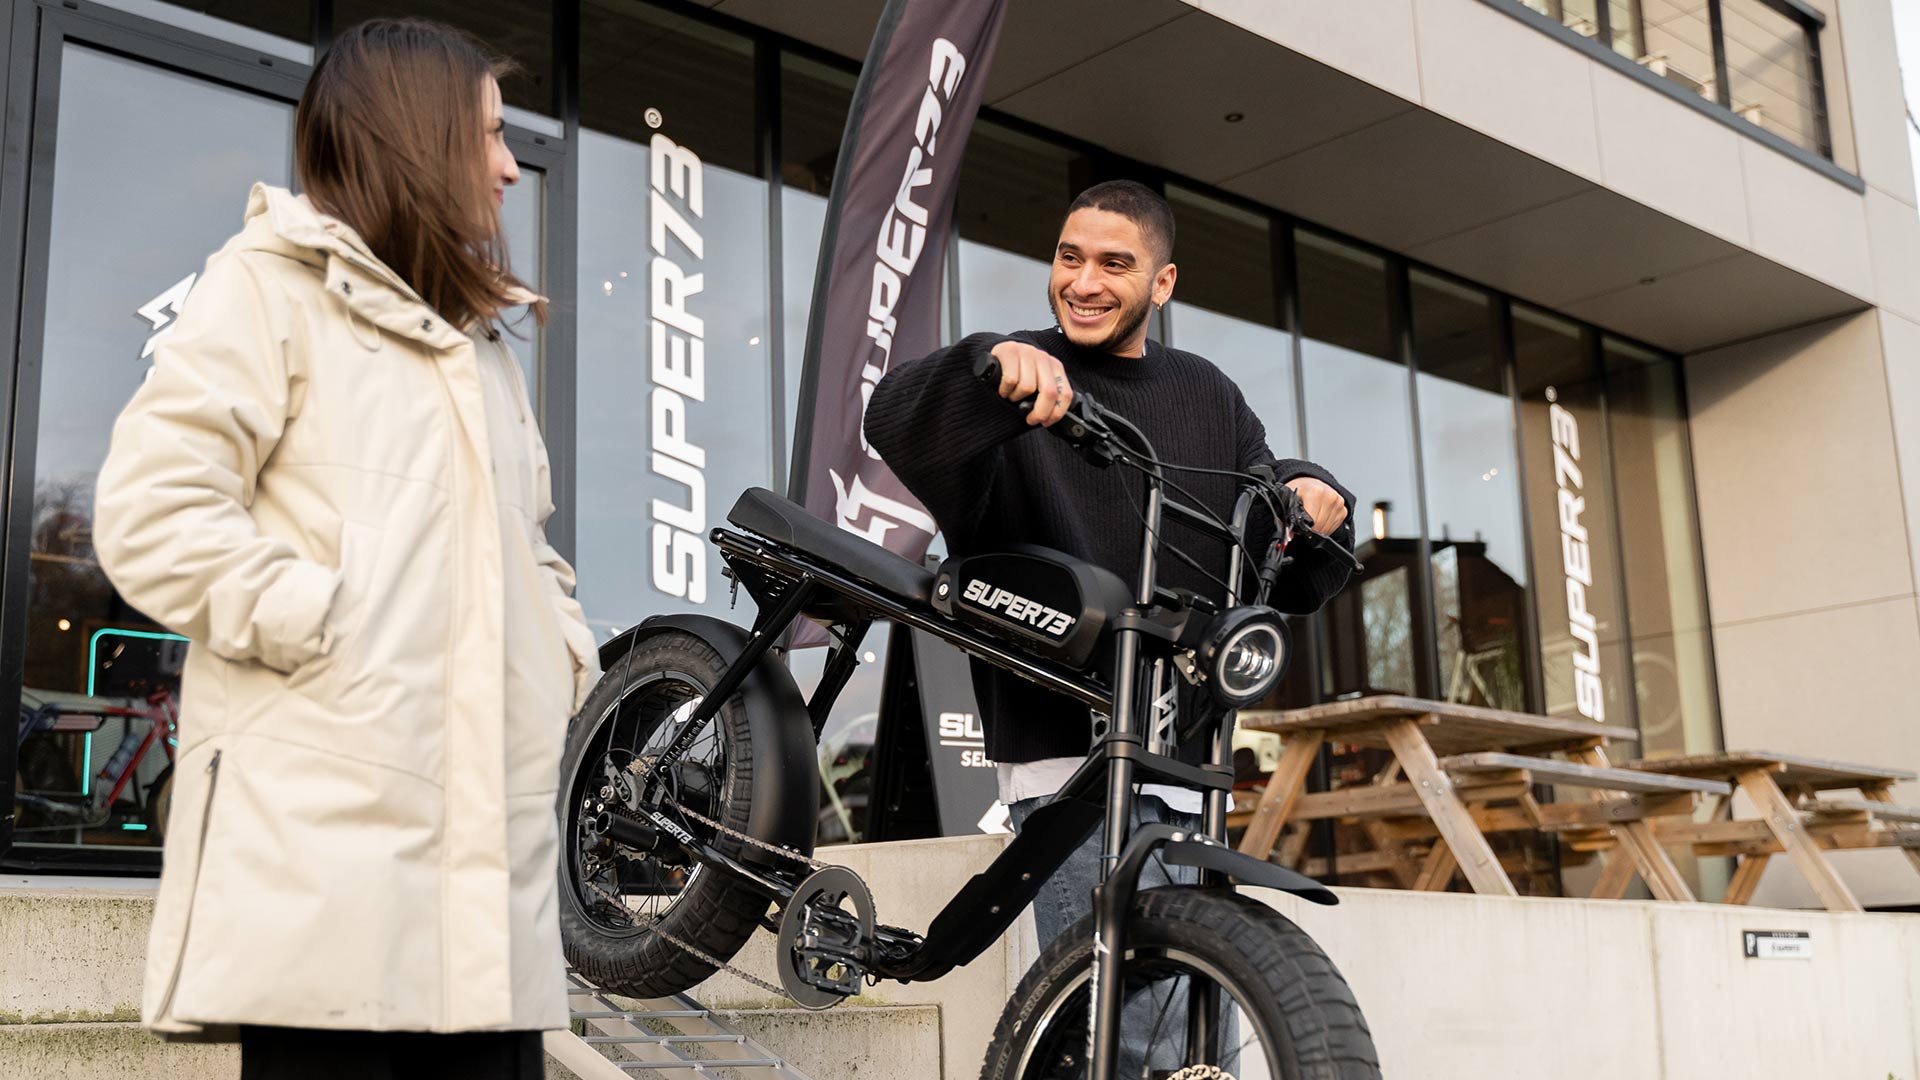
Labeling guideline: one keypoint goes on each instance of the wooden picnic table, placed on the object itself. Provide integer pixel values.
(1418, 732)
(1792, 820)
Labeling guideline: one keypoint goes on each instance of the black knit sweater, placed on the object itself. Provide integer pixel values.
(990, 479)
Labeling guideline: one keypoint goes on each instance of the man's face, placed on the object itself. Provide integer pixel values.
(1106, 277)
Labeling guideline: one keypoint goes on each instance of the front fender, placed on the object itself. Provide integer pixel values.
(1184, 848)
(784, 782)
(1245, 869)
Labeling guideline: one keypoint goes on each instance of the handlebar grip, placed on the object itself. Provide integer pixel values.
(987, 370)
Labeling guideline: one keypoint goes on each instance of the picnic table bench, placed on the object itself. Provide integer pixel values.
(1793, 818)
(1455, 793)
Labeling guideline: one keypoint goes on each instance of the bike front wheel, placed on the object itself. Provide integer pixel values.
(1284, 1011)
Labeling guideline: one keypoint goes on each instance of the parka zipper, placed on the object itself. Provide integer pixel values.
(193, 889)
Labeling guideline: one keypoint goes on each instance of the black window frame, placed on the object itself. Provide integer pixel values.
(23, 26)
(1720, 107)
(32, 36)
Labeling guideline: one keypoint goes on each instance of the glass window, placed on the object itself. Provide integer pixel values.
(1580, 16)
(674, 396)
(639, 65)
(1770, 72)
(1014, 189)
(1226, 307)
(813, 110)
(1679, 43)
(520, 219)
(1359, 426)
(1629, 35)
(1660, 548)
(282, 28)
(518, 29)
(813, 115)
(122, 258)
(1570, 502)
(1001, 292)
(1473, 495)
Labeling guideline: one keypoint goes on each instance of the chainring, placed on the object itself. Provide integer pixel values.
(827, 887)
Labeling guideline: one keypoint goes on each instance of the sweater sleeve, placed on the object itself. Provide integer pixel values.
(939, 429)
(1314, 576)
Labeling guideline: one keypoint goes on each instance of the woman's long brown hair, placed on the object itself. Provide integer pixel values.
(389, 139)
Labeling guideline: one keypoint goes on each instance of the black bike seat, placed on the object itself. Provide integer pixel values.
(787, 523)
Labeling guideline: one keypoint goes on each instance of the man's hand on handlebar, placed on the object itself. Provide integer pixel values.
(1027, 372)
(1323, 504)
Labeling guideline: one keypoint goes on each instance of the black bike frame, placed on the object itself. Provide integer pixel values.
(1057, 828)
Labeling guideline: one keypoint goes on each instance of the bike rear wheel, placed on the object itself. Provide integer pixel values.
(1286, 1013)
(622, 908)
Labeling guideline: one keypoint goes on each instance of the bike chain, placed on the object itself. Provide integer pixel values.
(695, 951)
(688, 947)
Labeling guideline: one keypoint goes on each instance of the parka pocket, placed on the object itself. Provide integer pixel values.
(346, 619)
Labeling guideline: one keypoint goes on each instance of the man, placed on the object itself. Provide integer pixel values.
(958, 448)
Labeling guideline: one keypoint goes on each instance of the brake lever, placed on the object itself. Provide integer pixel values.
(1085, 425)
(1326, 543)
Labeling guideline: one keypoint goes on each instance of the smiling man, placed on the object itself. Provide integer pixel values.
(959, 448)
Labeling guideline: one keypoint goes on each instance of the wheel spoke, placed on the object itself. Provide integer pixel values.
(1153, 1037)
(621, 891)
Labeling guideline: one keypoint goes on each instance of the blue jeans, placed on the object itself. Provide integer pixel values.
(1067, 897)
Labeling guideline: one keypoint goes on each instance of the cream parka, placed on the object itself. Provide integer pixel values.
(363, 831)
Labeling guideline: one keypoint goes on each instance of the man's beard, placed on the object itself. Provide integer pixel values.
(1123, 328)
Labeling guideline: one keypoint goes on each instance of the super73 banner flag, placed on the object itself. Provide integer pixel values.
(876, 298)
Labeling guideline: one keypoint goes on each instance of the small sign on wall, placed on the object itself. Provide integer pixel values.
(1777, 944)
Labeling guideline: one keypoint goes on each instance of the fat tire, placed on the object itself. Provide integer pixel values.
(1281, 973)
(716, 913)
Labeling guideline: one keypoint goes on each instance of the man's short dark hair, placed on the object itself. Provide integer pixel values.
(1137, 203)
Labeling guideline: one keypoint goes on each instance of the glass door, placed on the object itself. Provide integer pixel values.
(138, 172)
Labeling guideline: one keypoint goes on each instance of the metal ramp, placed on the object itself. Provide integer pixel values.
(671, 1037)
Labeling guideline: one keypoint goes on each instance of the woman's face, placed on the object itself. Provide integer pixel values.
(502, 171)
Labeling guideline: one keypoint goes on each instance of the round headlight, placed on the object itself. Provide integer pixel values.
(1244, 654)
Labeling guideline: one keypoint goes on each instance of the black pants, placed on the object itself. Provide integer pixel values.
(277, 1053)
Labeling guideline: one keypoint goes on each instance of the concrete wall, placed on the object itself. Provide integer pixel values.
(1816, 627)
(1455, 987)
(1809, 557)
(1480, 67)
(1470, 986)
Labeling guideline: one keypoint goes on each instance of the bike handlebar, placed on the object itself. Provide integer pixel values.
(1090, 428)
(1085, 425)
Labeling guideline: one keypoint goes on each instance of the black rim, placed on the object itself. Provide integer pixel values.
(1057, 1043)
(620, 891)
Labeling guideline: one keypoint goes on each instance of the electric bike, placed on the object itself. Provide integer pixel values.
(689, 804)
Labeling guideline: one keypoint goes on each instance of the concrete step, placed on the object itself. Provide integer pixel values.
(92, 1051)
(888, 1043)
(73, 950)
(72, 954)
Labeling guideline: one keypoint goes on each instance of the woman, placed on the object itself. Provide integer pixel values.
(332, 482)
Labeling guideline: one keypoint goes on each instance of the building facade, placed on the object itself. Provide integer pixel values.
(1609, 314)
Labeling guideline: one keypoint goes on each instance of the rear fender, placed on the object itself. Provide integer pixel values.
(785, 793)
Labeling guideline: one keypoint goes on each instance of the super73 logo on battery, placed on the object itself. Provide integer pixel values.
(1017, 608)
